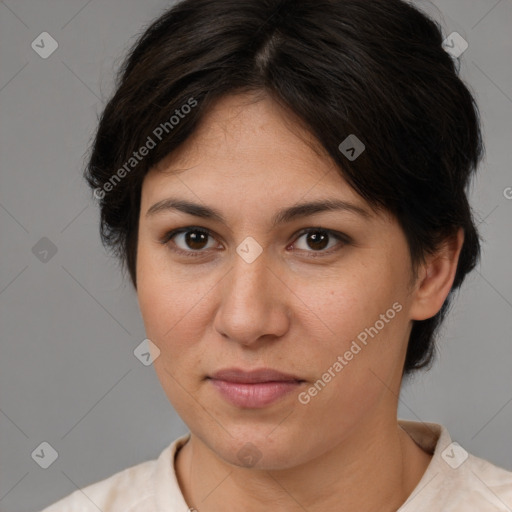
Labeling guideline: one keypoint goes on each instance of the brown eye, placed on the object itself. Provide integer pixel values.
(317, 240)
(189, 240)
(196, 240)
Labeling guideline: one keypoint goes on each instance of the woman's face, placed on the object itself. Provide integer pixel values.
(253, 294)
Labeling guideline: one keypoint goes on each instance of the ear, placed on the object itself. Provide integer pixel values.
(436, 278)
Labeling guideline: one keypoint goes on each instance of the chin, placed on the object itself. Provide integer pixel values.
(254, 449)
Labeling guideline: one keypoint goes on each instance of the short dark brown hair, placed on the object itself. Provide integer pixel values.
(374, 69)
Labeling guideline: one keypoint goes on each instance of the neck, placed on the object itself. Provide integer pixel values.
(374, 468)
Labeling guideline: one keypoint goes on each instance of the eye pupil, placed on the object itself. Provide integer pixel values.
(317, 240)
(196, 237)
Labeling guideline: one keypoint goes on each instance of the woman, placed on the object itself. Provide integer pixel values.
(285, 183)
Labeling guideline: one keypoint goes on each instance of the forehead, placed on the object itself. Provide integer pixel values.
(248, 145)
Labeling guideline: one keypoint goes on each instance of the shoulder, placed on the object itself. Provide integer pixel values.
(120, 491)
(455, 480)
(476, 484)
(132, 489)
(484, 481)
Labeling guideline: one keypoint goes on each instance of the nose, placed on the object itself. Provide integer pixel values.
(253, 305)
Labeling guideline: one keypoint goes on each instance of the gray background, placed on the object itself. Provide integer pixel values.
(68, 375)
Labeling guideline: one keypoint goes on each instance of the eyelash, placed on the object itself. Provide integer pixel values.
(341, 237)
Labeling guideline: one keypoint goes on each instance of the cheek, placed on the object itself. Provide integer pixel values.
(360, 317)
(349, 300)
(175, 307)
(354, 370)
(172, 312)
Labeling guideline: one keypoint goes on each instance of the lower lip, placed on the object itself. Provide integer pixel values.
(254, 395)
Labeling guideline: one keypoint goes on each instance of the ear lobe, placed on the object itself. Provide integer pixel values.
(436, 278)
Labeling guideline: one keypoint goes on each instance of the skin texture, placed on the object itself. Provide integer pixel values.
(287, 311)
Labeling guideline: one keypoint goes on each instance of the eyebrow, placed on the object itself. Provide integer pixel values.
(282, 216)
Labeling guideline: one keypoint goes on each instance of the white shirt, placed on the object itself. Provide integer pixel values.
(454, 481)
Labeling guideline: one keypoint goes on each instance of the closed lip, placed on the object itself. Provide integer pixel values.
(253, 376)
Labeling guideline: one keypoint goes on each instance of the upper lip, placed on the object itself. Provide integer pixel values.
(253, 376)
